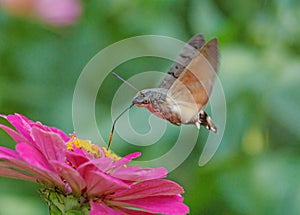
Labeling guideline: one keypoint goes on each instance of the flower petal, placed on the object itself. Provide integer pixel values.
(75, 159)
(51, 144)
(6, 153)
(101, 164)
(98, 208)
(15, 135)
(99, 183)
(51, 129)
(3, 116)
(104, 164)
(63, 135)
(135, 173)
(126, 159)
(24, 126)
(71, 176)
(33, 156)
(21, 123)
(168, 205)
(10, 173)
(42, 175)
(133, 212)
(157, 187)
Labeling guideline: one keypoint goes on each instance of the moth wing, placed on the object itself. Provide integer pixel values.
(191, 90)
(185, 57)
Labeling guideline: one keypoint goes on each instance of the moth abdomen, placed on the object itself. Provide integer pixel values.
(206, 121)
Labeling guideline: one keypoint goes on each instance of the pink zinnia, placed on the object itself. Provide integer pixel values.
(83, 176)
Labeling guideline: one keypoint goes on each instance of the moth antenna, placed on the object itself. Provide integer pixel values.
(126, 82)
(114, 123)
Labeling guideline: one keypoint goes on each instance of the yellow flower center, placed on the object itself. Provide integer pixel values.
(110, 154)
(87, 146)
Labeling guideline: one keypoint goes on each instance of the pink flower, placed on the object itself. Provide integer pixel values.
(98, 180)
(54, 12)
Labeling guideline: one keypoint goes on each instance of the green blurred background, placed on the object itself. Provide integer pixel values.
(255, 170)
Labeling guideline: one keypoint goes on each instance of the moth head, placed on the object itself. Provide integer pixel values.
(142, 98)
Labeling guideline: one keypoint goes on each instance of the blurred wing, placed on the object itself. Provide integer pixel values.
(186, 55)
(191, 90)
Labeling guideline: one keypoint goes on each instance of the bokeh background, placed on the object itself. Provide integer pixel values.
(257, 167)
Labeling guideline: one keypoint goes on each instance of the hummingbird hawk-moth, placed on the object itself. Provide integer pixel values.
(185, 90)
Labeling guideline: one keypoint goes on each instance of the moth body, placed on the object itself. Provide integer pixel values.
(162, 105)
(157, 102)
